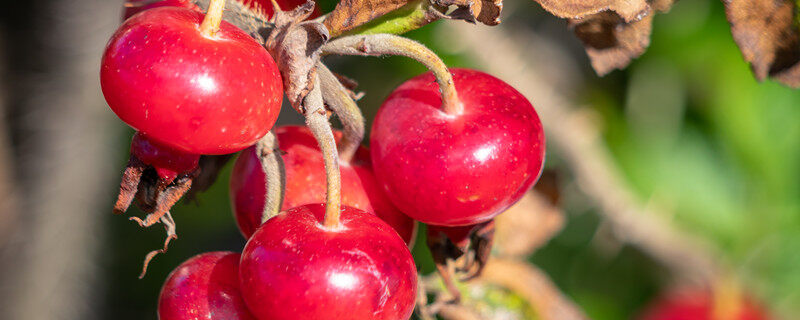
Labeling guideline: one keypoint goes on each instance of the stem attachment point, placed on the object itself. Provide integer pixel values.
(210, 25)
(389, 44)
(317, 121)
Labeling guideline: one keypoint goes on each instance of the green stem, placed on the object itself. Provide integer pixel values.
(213, 19)
(414, 15)
(272, 163)
(317, 121)
(337, 98)
(389, 44)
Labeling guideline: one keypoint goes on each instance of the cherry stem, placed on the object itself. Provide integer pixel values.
(317, 121)
(272, 163)
(337, 97)
(389, 44)
(213, 19)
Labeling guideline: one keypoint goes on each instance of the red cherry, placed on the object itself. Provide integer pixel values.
(135, 6)
(204, 287)
(265, 6)
(295, 268)
(198, 94)
(306, 183)
(168, 162)
(700, 305)
(457, 169)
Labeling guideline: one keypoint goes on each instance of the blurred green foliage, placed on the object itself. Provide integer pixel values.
(690, 127)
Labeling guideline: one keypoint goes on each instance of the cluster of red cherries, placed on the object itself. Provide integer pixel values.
(190, 89)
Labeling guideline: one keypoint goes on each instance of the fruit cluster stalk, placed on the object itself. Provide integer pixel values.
(389, 44)
(317, 121)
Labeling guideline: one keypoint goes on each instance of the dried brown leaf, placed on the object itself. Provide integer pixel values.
(611, 41)
(294, 44)
(483, 11)
(768, 37)
(349, 14)
(629, 10)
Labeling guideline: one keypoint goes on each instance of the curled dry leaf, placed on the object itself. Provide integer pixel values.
(611, 41)
(349, 14)
(460, 252)
(628, 10)
(483, 11)
(768, 37)
(295, 44)
(155, 196)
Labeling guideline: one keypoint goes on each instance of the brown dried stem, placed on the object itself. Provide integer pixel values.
(317, 121)
(338, 99)
(213, 19)
(272, 163)
(389, 44)
(169, 225)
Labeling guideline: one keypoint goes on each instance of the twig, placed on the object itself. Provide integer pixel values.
(389, 44)
(272, 164)
(317, 121)
(579, 143)
(337, 98)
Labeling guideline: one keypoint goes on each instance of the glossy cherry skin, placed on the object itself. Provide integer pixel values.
(135, 6)
(167, 161)
(295, 268)
(204, 287)
(306, 183)
(265, 6)
(700, 305)
(457, 169)
(198, 94)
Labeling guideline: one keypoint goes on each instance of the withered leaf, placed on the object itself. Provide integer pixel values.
(294, 43)
(611, 42)
(349, 14)
(483, 11)
(629, 10)
(768, 37)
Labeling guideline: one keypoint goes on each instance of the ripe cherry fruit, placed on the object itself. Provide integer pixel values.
(699, 304)
(456, 168)
(306, 184)
(199, 91)
(204, 287)
(294, 267)
(135, 6)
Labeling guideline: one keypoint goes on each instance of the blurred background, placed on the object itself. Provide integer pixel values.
(681, 167)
